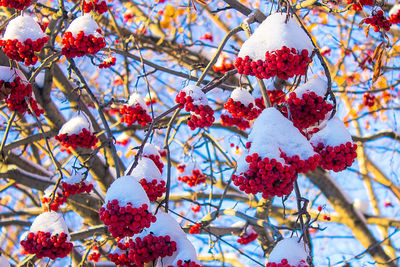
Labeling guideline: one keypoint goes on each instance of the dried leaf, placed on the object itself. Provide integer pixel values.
(377, 50)
(378, 66)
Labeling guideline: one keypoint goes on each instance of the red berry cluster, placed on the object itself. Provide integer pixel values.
(238, 110)
(202, 115)
(358, 4)
(307, 110)
(100, 8)
(336, 158)
(80, 45)
(94, 256)
(196, 178)
(247, 238)
(84, 139)
(241, 123)
(74, 189)
(14, 94)
(132, 114)
(260, 102)
(284, 63)
(157, 160)
(378, 21)
(23, 51)
(223, 65)
(154, 189)
(188, 263)
(327, 218)
(196, 208)
(207, 36)
(195, 229)
(125, 220)
(107, 63)
(275, 96)
(151, 247)
(16, 4)
(285, 263)
(265, 176)
(369, 100)
(43, 244)
(59, 200)
(395, 18)
(300, 165)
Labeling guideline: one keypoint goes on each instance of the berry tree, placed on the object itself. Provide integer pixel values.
(199, 133)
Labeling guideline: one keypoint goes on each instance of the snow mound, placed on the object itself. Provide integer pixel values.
(84, 23)
(126, 189)
(394, 10)
(137, 99)
(333, 134)
(74, 179)
(8, 74)
(150, 149)
(185, 251)
(272, 131)
(272, 34)
(290, 249)
(165, 225)
(147, 169)
(199, 97)
(243, 96)
(22, 28)
(76, 124)
(51, 222)
(4, 261)
(316, 85)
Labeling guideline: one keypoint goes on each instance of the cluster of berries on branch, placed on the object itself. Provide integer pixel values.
(191, 174)
(241, 105)
(358, 5)
(188, 263)
(394, 14)
(100, 6)
(135, 111)
(378, 21)
(108, 62)
(195, 101)
(247, 238)
(16, 4)
(241, 123)
(22, 45)
(368, 100)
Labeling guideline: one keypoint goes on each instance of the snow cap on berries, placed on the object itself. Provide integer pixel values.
(316, 85)
(135, 99)
(51, 222)
(84, 23)
(199, 97)
(271, 131)
(394, 10)
(22, 28)
(164, 225)
(243, 96)
(76, 124)
(74, 179)
(272, 34)
(8, 74)
(290, 249)
(3, 261)
(127, 189)
(146, 169)
(150, 149)
(334, 133)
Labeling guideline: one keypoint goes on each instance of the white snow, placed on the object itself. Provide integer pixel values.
(150, 149)
(290, 249)
(164, 225)
(8, 74)
(272, 34)
(74, 179)
(199, 97)
(76, 124)
(361, 205)
(126, 189)
(51, 222)
(122, 137)
(135, 99)
(84, 23)
(333, 134)
(4, 261)
(22, 28)
(47, 192)
(271, 131)
(147, 169)
(242, 95)
(316, 85)
(394, 10)
(185, 251)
